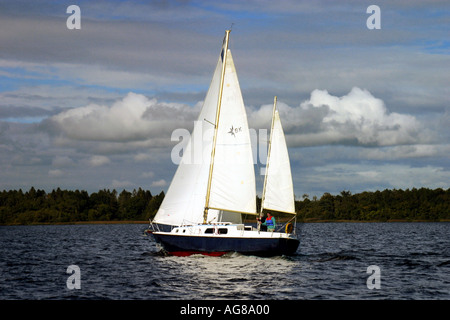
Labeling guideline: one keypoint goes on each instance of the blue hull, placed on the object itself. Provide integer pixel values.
(183, 245)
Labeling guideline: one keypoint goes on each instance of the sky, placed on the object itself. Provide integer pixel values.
(363, 109)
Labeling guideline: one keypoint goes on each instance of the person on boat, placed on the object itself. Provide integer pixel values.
(269, 223)
(261, 220)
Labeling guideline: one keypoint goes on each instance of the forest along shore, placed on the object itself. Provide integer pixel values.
(138, 206)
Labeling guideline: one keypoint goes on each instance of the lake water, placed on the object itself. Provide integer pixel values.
(117, 261)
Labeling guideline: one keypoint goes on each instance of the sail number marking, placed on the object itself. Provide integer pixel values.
(234, 130)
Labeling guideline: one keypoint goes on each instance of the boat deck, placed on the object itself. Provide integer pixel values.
(226, 230)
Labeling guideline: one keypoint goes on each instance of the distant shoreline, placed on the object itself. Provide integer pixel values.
(110, 207)
(368, 221)
(248, 221)
(76, 223)
(358, 221)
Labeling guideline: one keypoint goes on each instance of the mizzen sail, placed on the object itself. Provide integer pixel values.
(278, 193)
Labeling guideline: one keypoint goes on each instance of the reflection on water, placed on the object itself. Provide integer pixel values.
(232, 276)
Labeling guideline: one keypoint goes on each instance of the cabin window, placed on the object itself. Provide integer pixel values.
(219, 231)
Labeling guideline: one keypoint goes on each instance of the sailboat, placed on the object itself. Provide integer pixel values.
(214, 184)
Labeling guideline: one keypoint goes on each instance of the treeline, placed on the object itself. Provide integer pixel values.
(64, 206)
(389, 205)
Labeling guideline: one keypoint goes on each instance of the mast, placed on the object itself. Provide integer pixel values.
(268, 155)
(216, 125)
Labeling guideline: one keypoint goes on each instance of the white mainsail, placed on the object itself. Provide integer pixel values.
(184, 201)
(232, 179)
(278, 193)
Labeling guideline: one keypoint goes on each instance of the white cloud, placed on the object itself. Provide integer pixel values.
(159, 183)
(134, 118)
(140, 157)
(149, 174)
(371, 174)
(357, 118)
(96, 161)
(158, 152)
(359, 177)
(121, 184)
(405, 152)
(55, 173)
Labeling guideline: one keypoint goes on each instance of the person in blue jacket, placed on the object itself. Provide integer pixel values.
(270, 223)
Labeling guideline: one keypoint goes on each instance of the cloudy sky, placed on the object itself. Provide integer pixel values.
(92, 108)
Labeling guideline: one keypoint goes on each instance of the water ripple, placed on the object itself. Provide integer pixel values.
(117, 262)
